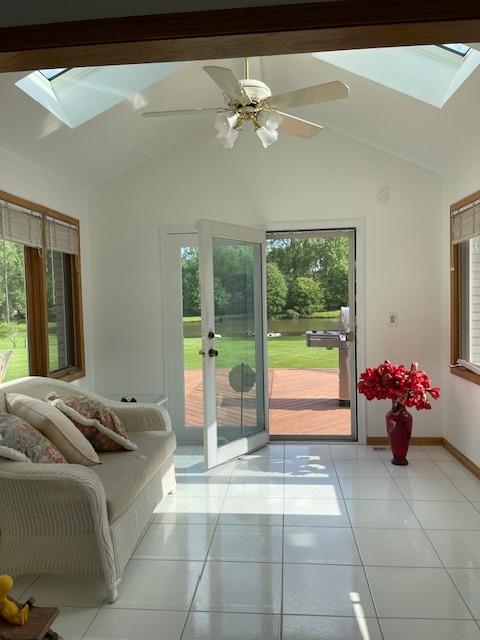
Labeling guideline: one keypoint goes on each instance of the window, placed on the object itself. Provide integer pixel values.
(465, 288)
(51, 74)
(75, 95)
(457, 48)
(430, 73)
(41, 327)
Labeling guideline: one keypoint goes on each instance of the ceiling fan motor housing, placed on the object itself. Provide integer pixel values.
(255, 89)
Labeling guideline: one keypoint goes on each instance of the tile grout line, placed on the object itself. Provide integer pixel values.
(443, 567)
(283, 547)
(361, 560)
(143, 535)
(206, 558)
(446, 569)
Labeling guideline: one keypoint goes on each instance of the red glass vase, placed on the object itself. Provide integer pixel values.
(399, 428)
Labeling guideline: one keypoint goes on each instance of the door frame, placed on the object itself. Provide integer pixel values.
(358, 274)
(351, 234)
(299, 225)
(172, 332)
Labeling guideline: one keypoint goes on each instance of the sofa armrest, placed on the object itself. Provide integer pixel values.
(53, 519)
(140, 416)
(47, 492)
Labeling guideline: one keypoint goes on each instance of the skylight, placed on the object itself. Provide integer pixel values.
(430, 73)
(459, 49)
(51, 74)
(83, 93)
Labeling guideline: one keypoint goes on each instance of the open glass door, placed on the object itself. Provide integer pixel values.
(232, 286)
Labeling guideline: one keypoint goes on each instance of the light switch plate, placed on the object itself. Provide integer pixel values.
(393, 318)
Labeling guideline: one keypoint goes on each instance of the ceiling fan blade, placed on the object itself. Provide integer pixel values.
(310, 95)
(228, 83)
(298, 127)
(180, 112)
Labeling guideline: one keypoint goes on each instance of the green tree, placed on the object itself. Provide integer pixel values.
(12, 281)
(295, 257)
(190, 282)
(324, 259)
(305, 296)
(276, 291)
(333, 271)
(233, 279)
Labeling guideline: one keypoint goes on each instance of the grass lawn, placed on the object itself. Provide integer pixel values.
(18, 363)
(326, 315)
(284, 352)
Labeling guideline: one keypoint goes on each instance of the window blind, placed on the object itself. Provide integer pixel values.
(61, 236)
(21, 226)
(466, 222)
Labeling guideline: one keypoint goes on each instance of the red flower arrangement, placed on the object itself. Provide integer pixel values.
(405, 387)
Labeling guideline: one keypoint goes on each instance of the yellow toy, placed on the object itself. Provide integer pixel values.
(8, 609)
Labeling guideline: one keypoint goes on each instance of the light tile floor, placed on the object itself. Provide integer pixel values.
(295, 542)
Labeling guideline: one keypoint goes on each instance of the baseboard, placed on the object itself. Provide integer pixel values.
(467, 463)
(442, 442)
(422, 442)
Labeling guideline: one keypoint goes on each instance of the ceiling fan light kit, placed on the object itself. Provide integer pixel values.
(251, 100)
(227, 139)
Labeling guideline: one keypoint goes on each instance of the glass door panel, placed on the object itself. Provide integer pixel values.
(239, 370)
(232, 279)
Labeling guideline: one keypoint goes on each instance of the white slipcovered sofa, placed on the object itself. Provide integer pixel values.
(84, 521)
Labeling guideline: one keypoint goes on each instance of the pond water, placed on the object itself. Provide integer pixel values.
(294, 327)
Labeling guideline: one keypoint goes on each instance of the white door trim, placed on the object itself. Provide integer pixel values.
(359, 225)
(315, 224)
(172, 331)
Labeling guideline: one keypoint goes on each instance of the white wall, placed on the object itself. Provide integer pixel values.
(461, 397)
(27, 181)
(325, 178)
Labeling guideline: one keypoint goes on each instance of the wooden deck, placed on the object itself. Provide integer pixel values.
(302, 402)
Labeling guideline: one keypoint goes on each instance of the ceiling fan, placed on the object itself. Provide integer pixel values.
(251, 100)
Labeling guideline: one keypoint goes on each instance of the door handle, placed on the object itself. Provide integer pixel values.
(212, 353)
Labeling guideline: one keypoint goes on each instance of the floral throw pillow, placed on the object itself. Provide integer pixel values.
(21, 442)
(101, 426)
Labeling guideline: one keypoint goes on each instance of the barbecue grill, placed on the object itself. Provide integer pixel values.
(336, 340)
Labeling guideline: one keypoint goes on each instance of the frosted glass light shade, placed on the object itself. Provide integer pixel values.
(227, 140)
(269, 119)
(267, 136)
(225, 121)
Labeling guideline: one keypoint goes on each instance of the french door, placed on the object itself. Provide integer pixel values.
(232, 288)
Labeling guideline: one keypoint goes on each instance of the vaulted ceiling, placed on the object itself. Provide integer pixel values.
(119, 138)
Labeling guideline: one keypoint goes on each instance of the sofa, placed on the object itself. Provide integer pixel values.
(84, 521)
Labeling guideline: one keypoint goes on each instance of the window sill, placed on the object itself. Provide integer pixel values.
(466, 374)
(69, 375)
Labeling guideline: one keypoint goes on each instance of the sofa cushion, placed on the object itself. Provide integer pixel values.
(21, 442)
(99, 424)
(51, 422)
(124, 474)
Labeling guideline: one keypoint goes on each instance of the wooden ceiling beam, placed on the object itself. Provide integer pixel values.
(232, 33)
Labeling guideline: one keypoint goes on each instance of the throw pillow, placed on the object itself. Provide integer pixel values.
(21, 442)
(55, 426)
(101, 426)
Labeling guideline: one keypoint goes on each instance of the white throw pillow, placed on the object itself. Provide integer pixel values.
(55, 426)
